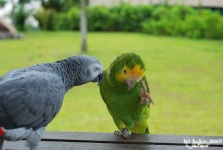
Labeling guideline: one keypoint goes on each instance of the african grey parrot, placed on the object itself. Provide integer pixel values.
(31, 97)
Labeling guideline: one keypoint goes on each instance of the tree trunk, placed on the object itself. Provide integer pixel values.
(83, 27)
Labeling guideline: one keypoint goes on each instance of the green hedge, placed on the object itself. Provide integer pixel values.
(185, 21)
(45, 17)
(20, 18)
(157, 20)
(67, 21)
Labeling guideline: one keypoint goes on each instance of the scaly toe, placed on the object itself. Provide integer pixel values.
(126, 133)
(145, 102)
(116, 132)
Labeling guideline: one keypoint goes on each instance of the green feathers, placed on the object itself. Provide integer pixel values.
(121, 92)
(126, 60)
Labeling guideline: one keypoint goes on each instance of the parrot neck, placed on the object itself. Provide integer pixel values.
(70, 75)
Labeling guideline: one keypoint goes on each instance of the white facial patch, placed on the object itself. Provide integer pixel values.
(95, 70)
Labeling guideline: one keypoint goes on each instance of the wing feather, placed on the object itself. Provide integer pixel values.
(29, 99)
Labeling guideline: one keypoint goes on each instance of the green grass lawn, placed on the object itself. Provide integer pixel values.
(185, 78)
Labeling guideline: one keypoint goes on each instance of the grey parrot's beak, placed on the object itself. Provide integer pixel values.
(130, 83)
(99, 78)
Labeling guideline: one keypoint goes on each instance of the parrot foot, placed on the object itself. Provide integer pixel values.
(145, 102)
(118, 133)
(145, 94)
(125, 133)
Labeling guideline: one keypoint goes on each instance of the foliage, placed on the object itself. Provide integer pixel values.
(2, 3)
(128, 18)
(45, 18)
(52, 4)
(67, 21)
(205, 24)
(59, 5)
(176, 20)
(184, 21)
(166, 20)
(68, 4)
(99, 19)
(20, 18)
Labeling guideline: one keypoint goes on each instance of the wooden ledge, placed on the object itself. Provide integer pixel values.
(109, 141)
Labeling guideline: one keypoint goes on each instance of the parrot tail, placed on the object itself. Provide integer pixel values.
(147, 130)
(1, 131)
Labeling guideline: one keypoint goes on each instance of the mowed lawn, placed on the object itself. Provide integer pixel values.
(185, 78)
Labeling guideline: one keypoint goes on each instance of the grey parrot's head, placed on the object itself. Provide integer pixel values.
(91, 69)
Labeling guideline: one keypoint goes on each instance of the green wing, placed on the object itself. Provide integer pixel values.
(104, 91)
(112, 101)
(145, 80)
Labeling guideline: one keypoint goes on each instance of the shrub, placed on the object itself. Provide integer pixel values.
(99, 19)
(45, 18)
(60, 22)
(163, 22)
(73, 16)
(205, 24)
(194, 26)
(67, 21)
(214, 25)
(159, 20)
(20, 18)
(145, 11)
(128, 18)
(184, 21)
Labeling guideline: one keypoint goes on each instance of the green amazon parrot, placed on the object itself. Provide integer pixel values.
(126, 94)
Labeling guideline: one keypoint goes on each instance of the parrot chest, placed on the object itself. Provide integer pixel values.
(126, 105)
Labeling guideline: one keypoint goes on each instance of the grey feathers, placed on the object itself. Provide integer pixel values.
(24, 99)
(32, 96)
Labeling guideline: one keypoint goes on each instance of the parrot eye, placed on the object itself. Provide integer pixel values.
(125, 71)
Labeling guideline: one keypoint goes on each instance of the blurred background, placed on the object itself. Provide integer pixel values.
(180, 41)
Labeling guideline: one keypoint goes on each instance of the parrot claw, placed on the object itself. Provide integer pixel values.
(125, 133)
(145, 102)
(145, 95)
(117, 132)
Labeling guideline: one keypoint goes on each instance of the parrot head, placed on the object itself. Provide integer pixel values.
(87, 69)
(127, 69)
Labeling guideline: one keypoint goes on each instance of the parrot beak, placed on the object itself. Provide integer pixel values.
(130, 83)
(100, 77)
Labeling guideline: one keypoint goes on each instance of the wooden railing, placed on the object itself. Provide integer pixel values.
(109, 141)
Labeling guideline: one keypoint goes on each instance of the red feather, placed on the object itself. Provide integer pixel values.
(1, 131)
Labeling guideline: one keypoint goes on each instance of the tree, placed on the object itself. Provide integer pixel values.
(2, 3)
(59, 5)
(53, 4)
(83, 27)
